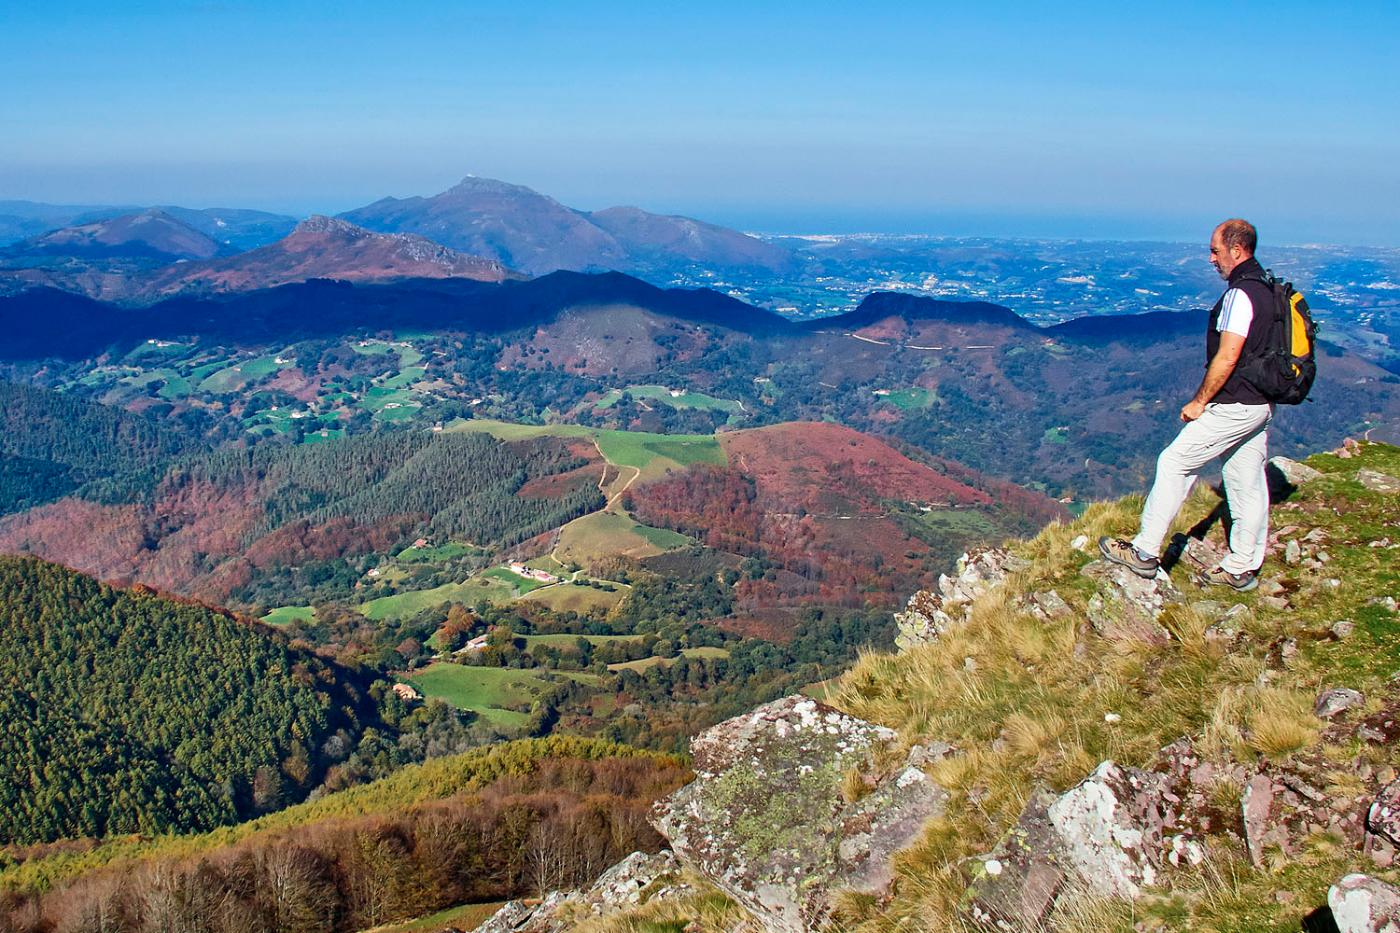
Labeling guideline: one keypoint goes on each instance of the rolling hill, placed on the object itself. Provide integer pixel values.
(150, 234)
(220, 522)
(323, 248)
(46, 322)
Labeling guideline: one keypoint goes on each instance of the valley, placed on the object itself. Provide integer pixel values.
(457, 533)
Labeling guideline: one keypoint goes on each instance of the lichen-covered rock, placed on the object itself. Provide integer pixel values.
(1362, 904)
(1127, 607)
(930, 613)
(1110, 826)
(620, 887)
(1015, 885)
(922, 620)
(1332, 703)
(768, 820)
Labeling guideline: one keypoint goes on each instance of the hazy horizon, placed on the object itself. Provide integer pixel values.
(1081, 122)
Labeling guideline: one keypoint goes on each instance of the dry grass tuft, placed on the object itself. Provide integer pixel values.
(854, 785)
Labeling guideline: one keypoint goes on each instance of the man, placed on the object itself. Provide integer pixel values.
(1226, 418)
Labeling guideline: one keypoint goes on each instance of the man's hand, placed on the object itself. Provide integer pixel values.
(1219, 370)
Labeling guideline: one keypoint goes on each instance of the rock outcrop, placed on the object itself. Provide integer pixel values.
(637, 877)
(1126, 607)
(793, 802)
(929, 614)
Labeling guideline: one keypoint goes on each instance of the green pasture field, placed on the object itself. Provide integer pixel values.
(147, 350)
(602, 534)
(570, 639)
(284, 614)
(232, 378)
(952, 522)
(402, 605)
(433, 555)
(1056, 436)
(406, 377)
(621, 448)
(664, 538)
(205, 370)
(330, 435)
(570, 597)
(663, 395)
(485, 690)
(911, 398)
(642, 664)
(546, 562)
(521, 585)
(656, 452)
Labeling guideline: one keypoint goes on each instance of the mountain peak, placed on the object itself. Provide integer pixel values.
(320, 223)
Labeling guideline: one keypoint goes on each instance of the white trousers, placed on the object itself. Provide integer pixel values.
(1239, 434)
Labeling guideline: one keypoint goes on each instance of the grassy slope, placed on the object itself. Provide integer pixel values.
(1030, 711)
(433, 780)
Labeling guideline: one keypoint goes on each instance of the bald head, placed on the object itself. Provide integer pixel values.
(1232, 243)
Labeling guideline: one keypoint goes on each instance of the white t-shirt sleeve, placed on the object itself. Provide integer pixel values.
(1236, 313)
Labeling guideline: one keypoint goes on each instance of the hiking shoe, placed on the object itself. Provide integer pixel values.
(1219, 576)
(1122, 552)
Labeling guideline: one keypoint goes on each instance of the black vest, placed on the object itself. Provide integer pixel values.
(1246, 277)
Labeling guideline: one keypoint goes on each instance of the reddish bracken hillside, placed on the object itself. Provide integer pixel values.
(839, 517)
(807, 461)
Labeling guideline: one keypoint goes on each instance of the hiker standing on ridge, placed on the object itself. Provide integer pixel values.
(1227, 418)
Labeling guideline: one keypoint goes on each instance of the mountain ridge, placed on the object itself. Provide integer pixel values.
(533, 232)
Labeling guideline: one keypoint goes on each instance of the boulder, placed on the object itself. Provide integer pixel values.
(1110, 828)
(1015, 886)
(1332, 703)
(1128, 607)
(930, 613)
(790, 804)
(512, 916)
(1293, 471)
(1362, 904)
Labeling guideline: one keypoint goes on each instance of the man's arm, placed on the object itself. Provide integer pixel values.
(1219, 370)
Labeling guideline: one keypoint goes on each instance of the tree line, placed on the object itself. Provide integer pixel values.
(558, 824)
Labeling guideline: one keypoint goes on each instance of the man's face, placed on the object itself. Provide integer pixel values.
(1223, 257)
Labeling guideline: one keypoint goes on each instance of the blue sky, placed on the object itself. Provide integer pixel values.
(1095, 120)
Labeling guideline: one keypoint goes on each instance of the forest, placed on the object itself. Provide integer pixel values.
(52, 444)
(514, 820)
(457, 485)
(127, 712)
